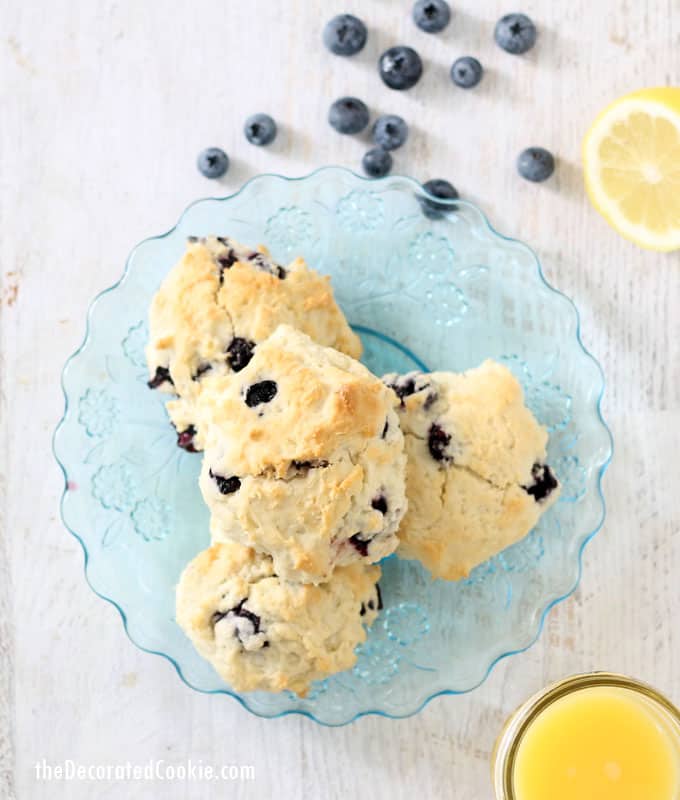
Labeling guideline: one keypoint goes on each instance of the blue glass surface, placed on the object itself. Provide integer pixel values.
(441, 294)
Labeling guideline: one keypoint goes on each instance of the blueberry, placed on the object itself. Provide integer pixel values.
(390, 132)
(379, 503)
(383, 435)
(262, 392)
(406, 385)
(431, 16)
(515, 33)
(260, 129)
(437, 442)
(242, 631)
(201, 370)
(400, 67)
(305, 466)
(226, 485)
(239, 353)
(544, 482)
(348, 115)
(360, 544)
(345, 35)
(438, 187)
(466, 72)
(377, 162)
(185, 439)
(213, 162)
(536, 164)
(161, 376)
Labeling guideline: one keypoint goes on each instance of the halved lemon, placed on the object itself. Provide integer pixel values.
(631, 160)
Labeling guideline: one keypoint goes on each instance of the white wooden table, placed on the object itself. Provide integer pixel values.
(105, 105)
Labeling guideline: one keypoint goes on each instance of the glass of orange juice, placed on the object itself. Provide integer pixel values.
(599, 736)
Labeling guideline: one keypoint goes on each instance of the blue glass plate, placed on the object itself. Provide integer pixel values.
(441, 294)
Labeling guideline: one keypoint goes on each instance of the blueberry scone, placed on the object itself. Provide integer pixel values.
(260, 631)
(304, 458)
(216, 305)
(477, 480)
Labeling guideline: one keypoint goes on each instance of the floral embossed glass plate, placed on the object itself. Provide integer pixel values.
(438, 294)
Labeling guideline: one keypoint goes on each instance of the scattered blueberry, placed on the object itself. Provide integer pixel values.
(383, 435)
(348, 115)
(345, 35)
(406, 385)
(377, 162)
(239, 353)
(260, 129)
(400, 67)
(185, 439)
(544, 482)
(213, 162)
(431, 16)
(162, 375)
(515, 33)
(262, 392)
(466, 72)
(438, 187)
(390, 132)
(359, 544)
(226, 485)
(536, 164)
(437, 442)
(380, 504)
(379, 596)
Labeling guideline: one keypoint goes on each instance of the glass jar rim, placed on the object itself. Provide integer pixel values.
(507, 744)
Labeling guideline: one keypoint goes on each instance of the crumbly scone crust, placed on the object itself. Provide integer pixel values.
(314, 475)
(261, 632)
(473, 453)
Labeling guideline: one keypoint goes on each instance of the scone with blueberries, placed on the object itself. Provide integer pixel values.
(216, 305)
(477, 480)
(304, 459)
(260, 631)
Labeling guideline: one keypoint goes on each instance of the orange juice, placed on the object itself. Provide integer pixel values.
(596, 737)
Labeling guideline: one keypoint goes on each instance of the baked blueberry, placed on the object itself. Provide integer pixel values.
(400, 67)
(515, 33)
(316, 463)
(161, 376)
(213, 162)
(380, 504)
(348, 115)
(390, 131)
(406, 385)
(437, 442)
(239, 353)
(201, 370)
(262, 392)
(431, 16)
(260, 129)
(536, 164)
(345, 35)
(377, 162)
(438, 187)
(544, 482)
(466, 72)
(185, 439)
(360, 544)
(226, 485)
(248, 625)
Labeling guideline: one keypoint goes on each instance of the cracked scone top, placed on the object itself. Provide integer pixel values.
(476, 475)
(262, 632)
(216, 305)
(304, 459)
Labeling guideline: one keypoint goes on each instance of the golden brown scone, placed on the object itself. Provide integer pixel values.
(217, 304)
(262, 632)
(304, 458)
(476, 477)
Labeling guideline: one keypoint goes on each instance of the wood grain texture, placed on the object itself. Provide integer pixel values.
(105, 106)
